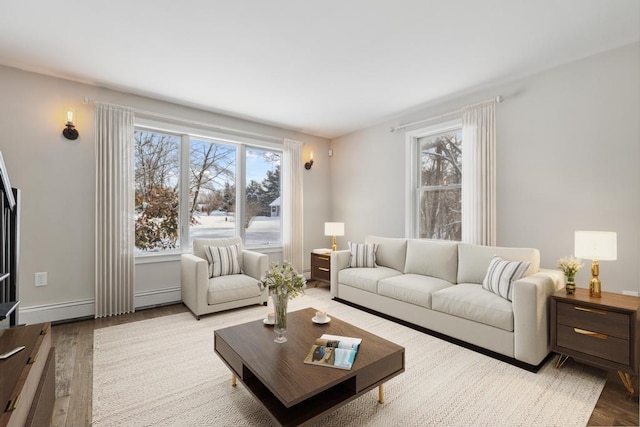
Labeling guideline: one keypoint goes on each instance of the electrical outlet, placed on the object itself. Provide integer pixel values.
(41, 279)
(632, 293)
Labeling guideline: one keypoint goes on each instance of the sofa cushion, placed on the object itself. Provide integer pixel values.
(434, 258)
(473, 260)
(470, 301)
(391, 251)
(232, 288)
(501, 274)
(223, 260)
(362, 255)
(412, 288)
(365, 278)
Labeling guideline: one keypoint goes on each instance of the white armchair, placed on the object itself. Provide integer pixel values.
(204, 295)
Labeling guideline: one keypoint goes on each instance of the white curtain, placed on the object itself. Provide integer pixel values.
(479, 174)
(114, 210)
(292, 214)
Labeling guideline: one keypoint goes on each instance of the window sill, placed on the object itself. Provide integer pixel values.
(156, 258)
(153, 258)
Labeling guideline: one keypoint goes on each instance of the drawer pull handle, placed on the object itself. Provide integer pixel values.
(591, 310)
(590, 333)
(323, 269)
(324, 258)
(12, 404)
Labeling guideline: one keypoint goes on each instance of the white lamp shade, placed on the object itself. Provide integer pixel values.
(596, 245)
(334, 228)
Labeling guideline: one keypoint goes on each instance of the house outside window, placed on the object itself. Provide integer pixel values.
(435, 185)
(226, 180)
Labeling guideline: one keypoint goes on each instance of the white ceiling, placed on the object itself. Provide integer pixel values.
(323, 67)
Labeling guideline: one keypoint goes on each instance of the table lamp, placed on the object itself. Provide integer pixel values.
(597, 246)
(334, 229)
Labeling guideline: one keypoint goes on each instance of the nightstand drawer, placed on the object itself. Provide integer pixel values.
(593, 343)
(594, 319)
(323, 261)
(322, 273)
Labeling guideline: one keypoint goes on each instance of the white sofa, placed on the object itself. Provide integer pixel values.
(437, 285)
(204, 295)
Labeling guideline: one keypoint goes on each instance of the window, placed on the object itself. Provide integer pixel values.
(262, 210)
(212, 190)
(214, 197)
(435, 208)
(157, 183)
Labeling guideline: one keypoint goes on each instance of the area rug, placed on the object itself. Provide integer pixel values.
(163, 372)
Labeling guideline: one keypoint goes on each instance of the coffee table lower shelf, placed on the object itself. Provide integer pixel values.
(311, 409)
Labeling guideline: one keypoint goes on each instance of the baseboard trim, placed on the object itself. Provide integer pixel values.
(57, 311)
(158, 297)
(85, 308)
(477, 349)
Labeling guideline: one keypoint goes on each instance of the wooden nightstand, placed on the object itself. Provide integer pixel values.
(321, 267)
(603, 332)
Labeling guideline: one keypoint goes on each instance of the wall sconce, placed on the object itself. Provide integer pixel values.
(70, 131)
(308, 165)
(597, 246)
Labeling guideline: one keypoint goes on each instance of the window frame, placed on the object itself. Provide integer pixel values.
(413, 189)
(187, 133)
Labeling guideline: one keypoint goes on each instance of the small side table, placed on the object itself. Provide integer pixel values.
(599, 331)
(321, 267)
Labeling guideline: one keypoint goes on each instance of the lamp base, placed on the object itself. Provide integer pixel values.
(334, 244)
(595, 286)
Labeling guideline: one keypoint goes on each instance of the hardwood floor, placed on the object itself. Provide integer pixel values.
(74, 374)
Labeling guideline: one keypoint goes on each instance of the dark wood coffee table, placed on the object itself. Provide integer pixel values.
(296, 393)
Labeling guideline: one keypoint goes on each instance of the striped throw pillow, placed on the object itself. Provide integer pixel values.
(501, 274)
(363, 254)
(223, 260)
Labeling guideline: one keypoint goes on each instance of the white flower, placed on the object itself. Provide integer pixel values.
(569, 265)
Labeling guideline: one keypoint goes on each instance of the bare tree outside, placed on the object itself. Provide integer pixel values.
(441, 186)
(211, 165)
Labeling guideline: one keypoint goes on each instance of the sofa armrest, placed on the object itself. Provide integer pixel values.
(194, 282)
(339, 261)
(531, 301)
(254, 264)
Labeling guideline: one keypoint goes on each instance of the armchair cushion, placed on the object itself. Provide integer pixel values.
(232, 288)
(223, 260)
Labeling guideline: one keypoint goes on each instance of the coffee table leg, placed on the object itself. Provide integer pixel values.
(233, 380)
(381, 393)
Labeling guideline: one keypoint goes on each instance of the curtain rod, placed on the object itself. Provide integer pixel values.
(210, 126)
(499, 99)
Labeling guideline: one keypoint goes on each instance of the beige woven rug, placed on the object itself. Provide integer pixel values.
(163, 372)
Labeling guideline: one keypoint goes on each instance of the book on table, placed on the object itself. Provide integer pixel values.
(333, 351)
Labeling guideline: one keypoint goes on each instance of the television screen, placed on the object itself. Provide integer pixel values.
(6, 185)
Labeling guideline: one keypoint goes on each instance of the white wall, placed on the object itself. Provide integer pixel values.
(57, 179)
(568, 156)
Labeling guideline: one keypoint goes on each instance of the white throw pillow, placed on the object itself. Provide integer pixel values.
(362, 255)
(501, 274)
(223, 260)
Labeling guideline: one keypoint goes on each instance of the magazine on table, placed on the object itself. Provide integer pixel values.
(333, 351)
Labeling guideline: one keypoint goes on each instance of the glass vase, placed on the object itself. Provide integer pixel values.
(570, 287)
(280, 300)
